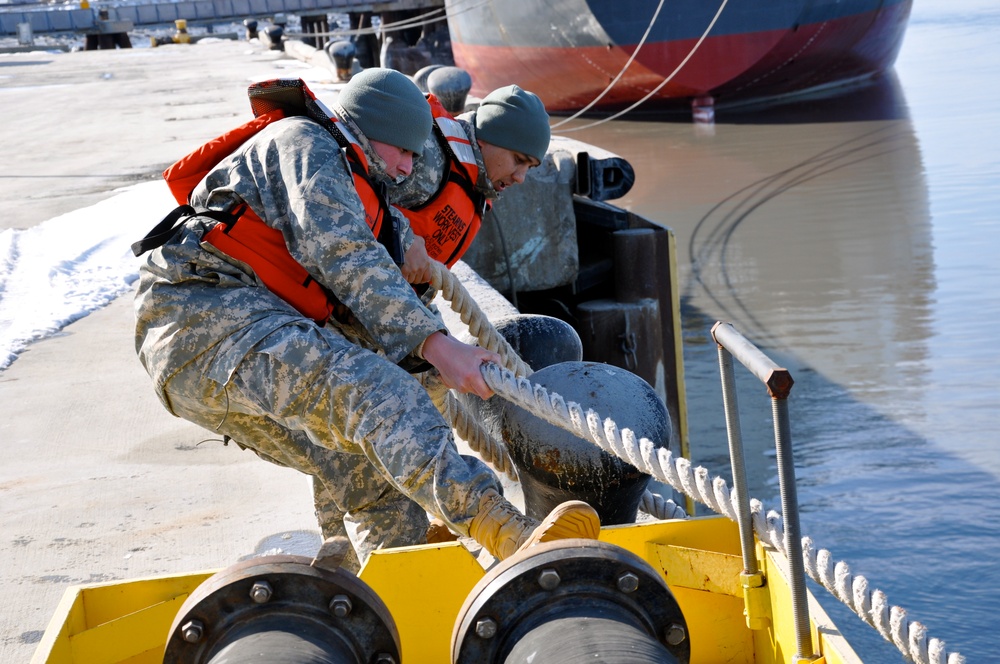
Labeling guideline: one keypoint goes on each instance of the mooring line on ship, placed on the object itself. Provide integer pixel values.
(659, 87)
(614, 81)
(909, 637)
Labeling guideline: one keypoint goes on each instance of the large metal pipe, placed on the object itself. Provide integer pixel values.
(284, 639)
(584, 635)
(571, 602)
(283, 610)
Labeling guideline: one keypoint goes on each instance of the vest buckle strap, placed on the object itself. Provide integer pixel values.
(168, 226)
(164, 230)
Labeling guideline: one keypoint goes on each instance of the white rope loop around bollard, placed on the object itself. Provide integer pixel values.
(654, 504)
(910, 638)
(479, 325)
(510, 382)
(471, 315)
(491, 450)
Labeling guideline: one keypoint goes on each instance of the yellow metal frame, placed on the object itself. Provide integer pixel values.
(115, 623)
(424, 588)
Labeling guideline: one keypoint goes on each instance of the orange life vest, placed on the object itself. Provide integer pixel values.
(242, 234)
(450, 219)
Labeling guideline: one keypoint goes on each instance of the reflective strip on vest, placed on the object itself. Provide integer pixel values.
(458, 141)
(450, 219)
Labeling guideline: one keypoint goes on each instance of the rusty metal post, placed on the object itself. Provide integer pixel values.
(451, 86)
(342, 54)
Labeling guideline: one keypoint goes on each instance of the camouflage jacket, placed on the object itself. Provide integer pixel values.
(428, 170)
(192, 299)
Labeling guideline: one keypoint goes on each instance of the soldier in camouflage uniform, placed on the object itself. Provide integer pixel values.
(508, 133)
(328, 400)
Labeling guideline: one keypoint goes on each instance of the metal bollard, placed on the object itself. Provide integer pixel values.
(342, 53)
(451, 86)
(555, 465)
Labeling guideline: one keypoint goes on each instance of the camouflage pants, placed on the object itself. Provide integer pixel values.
(380, 453)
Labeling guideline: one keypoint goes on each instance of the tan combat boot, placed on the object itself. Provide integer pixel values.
(504, 531)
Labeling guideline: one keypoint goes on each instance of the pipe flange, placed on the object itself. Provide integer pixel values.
(567, 578)
(282, 594)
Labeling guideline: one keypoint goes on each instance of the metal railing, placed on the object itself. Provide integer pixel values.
(779, 384)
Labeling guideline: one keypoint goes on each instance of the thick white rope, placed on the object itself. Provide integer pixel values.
(491, 450)
(659, 87)
(909, 637)
(479, 325)
(480, 441)
(661, 508)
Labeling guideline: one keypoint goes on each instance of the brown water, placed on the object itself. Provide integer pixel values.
(854, 240)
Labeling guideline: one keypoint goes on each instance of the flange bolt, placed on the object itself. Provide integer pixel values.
(261, 592)
(341, 606)
(486, 628)
(192, 631)
(548, 579)
(628, 582)
(676, 634)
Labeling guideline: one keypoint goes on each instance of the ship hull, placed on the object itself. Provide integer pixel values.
(569, 51)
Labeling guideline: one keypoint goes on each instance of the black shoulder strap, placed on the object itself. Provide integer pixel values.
(163, 231)
(166, 229)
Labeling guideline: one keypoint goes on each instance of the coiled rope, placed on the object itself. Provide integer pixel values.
(491, 450)
(909, 637)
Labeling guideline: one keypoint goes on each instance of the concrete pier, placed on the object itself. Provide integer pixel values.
(98, 481)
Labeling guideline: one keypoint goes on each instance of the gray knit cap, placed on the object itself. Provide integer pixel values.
(388, 107)
(515, 119)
